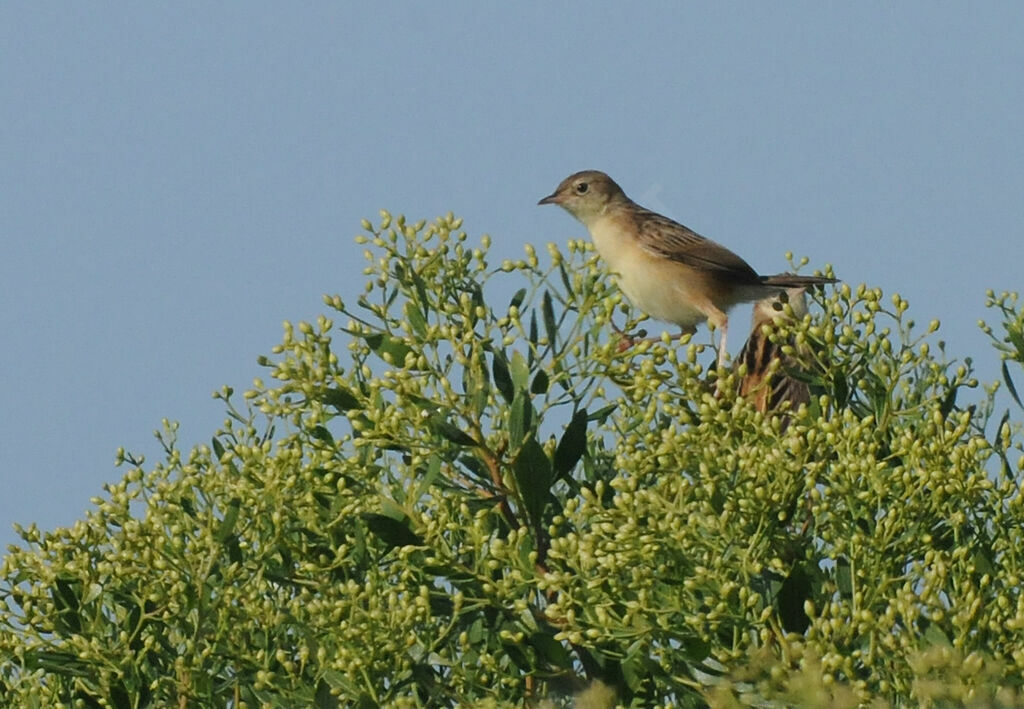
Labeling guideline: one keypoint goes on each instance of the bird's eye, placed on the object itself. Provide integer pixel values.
(582, 188)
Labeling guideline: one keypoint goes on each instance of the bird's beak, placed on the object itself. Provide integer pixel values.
(551, 199)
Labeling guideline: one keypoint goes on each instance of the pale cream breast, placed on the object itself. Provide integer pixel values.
(615, 246)
(665, 290)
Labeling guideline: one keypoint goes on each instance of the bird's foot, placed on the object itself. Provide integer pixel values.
(627, 340)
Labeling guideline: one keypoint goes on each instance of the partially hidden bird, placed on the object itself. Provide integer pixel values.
(771, 386)
(665, 269)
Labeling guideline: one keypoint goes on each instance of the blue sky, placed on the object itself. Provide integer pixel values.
(177, 179)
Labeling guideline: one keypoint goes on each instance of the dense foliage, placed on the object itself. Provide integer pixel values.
(448, 500)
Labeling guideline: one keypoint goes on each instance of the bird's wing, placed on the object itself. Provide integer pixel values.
(669, 239)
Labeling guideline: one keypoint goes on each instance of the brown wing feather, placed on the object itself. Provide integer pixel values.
(669, 239)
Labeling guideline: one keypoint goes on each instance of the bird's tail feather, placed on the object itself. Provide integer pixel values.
(790, 280)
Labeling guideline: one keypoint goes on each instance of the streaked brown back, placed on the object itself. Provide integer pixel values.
(771, 393)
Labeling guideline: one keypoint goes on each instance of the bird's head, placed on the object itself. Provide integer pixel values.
(772, 307)
(586, 195)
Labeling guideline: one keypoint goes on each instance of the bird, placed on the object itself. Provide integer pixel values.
(768, 390)
(665, 269)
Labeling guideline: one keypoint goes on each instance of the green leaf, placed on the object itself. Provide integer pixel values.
(93, 592)
(474, 467)
(532, 335)
(520, 419)
(227, 525)
(323, 699)
(948, 402)
(933, 634)
(384, 344)
(633, 673)
(421, 288)
(983, 563)
(475, 385)
(550, 650)
(393, 532)
(477, 632)
(572, 445)
(321, 434)
(1010, 386)
(795, 590)
(233, 549)
(339, 397)
(548, 312)
(1016, 338)
(695, 649)
(415, 317)
(441, 604)
(427, 476)
(998, 442)
(335, 679)
(502, 377)
(540, 383)
(218, 448)
(520, 370)
(518, 657)
(365, 701)
(65, 594)
(601, 415)
(532, 472)
(451, 432)
(518, 298)
(844, 579)
(119, 698)
(477, 293)
(943, 536)
(566, 281)
(65, 663)
(840, 389)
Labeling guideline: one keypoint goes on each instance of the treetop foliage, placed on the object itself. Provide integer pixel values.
(446, 499)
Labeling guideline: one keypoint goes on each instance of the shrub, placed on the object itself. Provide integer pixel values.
(446, 501)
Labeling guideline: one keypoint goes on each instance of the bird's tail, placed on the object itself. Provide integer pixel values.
(791, 280)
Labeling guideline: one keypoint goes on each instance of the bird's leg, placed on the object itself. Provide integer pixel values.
(717, 320)
(722, 351)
